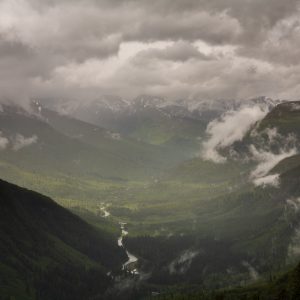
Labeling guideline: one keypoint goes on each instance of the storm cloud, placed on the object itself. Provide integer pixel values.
(176, 49)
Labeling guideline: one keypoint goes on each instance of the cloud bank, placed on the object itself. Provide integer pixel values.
(263, 148)
(192, 49)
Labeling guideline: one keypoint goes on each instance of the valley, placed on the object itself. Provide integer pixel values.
(180, 220)
(149, 150)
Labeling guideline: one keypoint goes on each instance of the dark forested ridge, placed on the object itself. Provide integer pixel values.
(47, 252)
(286, 287)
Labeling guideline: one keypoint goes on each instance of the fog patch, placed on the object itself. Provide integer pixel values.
(270, 180)
(294, 204)
(294, 246)
(182, 263)
(295, 106)
(3, 141)
(115, 136)
(268, 160)
(291, 214)
(103, 208)
(20, 142)
(269, 147)
(252, 272)
(272, 134)
(229, 128)
(271, 138)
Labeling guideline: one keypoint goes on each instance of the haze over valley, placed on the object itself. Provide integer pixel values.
(149, 151)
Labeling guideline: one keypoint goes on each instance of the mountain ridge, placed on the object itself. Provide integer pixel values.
(43, 244)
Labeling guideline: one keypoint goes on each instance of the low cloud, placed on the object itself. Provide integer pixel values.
(268, 149)
(268, 160)
(3, 142)
(254, 275)
(21, 142)
(270, 180)
(231, 127)
(293, 203)
(183, 262)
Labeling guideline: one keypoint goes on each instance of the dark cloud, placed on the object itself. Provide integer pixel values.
(180, 51)
(214, 28)
(174, 48)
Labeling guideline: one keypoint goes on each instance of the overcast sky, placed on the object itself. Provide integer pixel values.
(192, 49)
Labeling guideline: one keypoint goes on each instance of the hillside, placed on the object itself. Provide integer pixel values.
(72, 147)
(120, 145)
(144, 119)
(285, 117)
(284, 286)
(199, 170)
(178, 125)
(214, 234)
(49, 253)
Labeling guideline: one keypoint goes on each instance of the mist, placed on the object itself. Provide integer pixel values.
(268, 160)
(16, 142)
(229, 128)
(149, 149)
(269, 180)
(19, 142)
(3, 141)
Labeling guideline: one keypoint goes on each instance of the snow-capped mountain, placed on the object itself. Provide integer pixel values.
(107, 111)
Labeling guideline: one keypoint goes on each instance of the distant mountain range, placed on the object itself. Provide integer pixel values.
(153, 120)
(106, 110)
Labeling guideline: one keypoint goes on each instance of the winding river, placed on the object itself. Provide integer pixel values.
(129, 264)
(131, 258)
